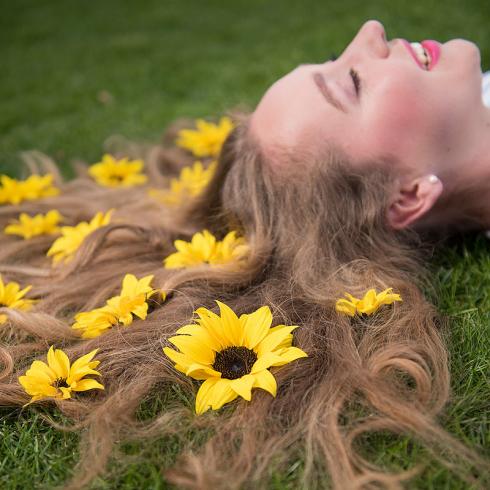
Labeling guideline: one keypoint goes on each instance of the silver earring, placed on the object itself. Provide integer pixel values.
(433, 179)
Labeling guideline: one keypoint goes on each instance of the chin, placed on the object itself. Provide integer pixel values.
(465, 54)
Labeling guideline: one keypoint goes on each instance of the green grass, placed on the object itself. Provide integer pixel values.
(162, 60)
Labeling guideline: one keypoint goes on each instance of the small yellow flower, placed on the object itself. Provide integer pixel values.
(117, 173)
(58, 379)
(233, 355)
(191, 182)
(31, 226)
(207, 139)
(133, 299)
(205, 249)
(119, 310)
(368, 305)
(95, 322)
(11, 296)
(72, 237)
(14, 191)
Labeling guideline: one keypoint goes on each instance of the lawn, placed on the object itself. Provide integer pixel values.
(75, 73)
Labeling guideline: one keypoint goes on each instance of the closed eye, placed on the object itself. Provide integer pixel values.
(356, 80)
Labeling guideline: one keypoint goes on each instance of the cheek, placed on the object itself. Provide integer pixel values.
(399, 123)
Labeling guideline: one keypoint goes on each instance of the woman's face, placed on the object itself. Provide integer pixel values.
(401, 110)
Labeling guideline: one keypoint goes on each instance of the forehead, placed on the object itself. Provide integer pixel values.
(290, 112)
(294, 116)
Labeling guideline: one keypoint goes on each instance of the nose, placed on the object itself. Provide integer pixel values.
(371, 38)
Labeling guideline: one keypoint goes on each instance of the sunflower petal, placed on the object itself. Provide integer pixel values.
(200, 371)
(81, 364)
(243, 386)
(232, 327)
(346, 307)
(88, 384)
(274, 339)
(201, 334)
(212, 323)
(256, 325)
(180, 359)
(66, 392)
(290, 354)
(129, 285)
(221, 393)
(38, 377)
(265, 380)
(34, 387)
(266, 361)
(203, 402)
(197, 352)
(58, 361)
(38, 367)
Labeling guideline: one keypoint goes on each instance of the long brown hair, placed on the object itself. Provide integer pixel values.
(313, 235)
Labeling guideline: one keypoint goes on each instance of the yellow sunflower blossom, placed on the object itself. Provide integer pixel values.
(13, 191)
(205, 249)
(11, 296)
(207, 139)
(57, 378)
(369, 304)
(232, 355)
(133, 299)
(191, 182)
(30, 226)
(72, 237)
(95, 322)
(117, 173)
(118, 310)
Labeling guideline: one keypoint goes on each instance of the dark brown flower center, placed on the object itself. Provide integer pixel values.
(117, 179)
(234, 362)
(60, 383)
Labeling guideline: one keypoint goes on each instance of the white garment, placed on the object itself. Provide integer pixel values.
(486, 88)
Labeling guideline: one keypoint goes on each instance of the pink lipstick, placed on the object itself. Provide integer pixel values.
(434, 50)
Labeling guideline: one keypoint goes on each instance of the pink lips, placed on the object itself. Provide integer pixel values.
(433, 47)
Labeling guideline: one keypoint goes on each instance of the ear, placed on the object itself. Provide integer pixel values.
(412, 200)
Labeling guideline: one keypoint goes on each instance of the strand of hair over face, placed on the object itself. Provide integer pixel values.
(312, 238)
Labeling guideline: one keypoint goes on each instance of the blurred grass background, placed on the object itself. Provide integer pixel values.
(74, 73)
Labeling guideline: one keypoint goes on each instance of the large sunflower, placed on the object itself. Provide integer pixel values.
(233, 355)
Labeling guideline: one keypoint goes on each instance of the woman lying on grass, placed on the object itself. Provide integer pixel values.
(272, 299)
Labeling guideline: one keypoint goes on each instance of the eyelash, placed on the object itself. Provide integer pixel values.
(354, 75)
(355, 78)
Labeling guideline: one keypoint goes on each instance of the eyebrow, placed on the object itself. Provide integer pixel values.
(326, 92)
